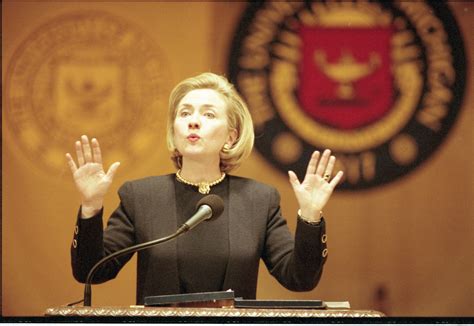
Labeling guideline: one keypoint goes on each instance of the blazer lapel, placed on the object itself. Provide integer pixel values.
(234, 237)
(164, 224)
(239, 273)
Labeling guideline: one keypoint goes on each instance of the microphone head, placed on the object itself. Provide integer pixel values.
(214, 202)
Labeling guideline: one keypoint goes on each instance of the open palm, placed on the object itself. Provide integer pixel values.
(314, 192)
(89, 176)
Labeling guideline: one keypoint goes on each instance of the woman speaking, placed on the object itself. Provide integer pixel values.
(209, 133)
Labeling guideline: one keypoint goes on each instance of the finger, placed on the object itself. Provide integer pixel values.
(336, 179)
(112, 170)
(323, 162)
(86, 148)
(96, 151)
(329, 167)
(293, 179)
(312, 163)
(71, 163)
(79, 154)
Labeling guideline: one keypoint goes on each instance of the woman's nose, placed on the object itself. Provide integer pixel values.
(194, 123)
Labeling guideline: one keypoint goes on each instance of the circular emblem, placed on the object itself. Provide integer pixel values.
(84, 73)
(378, 83)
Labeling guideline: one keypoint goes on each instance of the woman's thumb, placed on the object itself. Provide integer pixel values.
(113, 168)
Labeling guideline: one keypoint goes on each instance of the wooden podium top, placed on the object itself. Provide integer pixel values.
(226, 312)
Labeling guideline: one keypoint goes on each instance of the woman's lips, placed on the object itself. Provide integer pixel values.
(193, 138)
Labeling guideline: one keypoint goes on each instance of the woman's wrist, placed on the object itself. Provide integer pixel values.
(89, 210)
(311, 217)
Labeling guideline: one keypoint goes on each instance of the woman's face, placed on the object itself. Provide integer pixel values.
(200, 126)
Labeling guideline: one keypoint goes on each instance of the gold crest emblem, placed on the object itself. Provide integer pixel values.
(85, 73)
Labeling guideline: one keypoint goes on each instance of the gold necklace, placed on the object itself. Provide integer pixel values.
(203, 187)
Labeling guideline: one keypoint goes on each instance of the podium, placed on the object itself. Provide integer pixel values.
(227, 313)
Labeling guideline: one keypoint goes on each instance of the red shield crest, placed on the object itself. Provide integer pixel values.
(345, 74)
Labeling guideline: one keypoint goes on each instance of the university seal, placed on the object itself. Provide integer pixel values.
(84, 73)
(379, 83)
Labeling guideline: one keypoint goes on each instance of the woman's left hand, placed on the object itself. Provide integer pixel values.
(316, 189)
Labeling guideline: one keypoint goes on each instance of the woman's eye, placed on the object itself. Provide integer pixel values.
(210, 115)
(183, 113)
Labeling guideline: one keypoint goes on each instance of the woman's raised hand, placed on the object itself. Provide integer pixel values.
(316, 189)
(89, 176)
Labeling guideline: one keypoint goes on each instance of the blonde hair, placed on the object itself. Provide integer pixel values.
(238, 118)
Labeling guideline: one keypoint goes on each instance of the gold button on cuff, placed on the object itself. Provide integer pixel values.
(74, 243)
(324, 238)
(325, 252)
(76, 230)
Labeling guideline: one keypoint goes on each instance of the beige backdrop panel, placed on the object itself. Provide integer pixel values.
(413, 237)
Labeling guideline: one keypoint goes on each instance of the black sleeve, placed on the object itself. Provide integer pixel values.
(91, 243)
(296, 263)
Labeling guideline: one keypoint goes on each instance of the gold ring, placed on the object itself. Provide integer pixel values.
(326, 177)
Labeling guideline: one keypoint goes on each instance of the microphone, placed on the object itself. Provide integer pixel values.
(210, 206)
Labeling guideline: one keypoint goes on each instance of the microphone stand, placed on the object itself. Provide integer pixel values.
(88, 289)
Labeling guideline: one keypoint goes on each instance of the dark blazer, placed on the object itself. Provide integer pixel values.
(147, 211)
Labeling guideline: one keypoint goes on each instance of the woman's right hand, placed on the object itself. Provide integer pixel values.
(89, 176)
